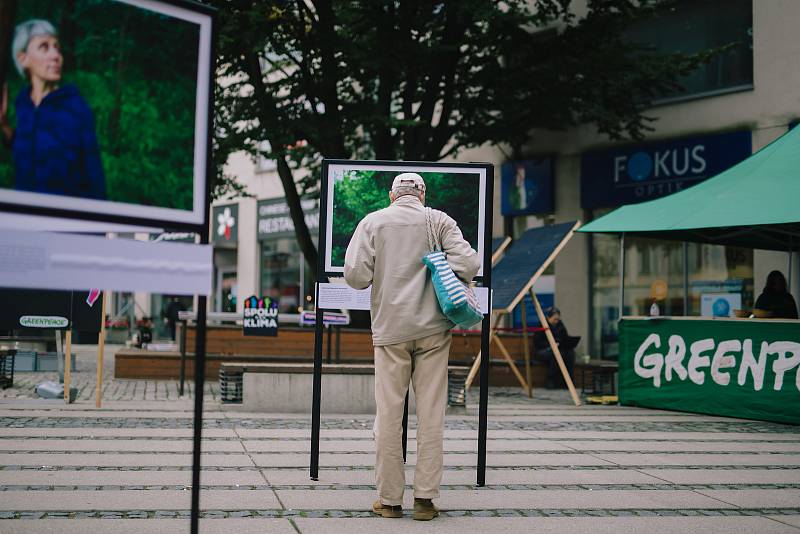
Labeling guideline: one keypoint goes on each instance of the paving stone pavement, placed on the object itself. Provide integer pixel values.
(552, 468)
(84, 378)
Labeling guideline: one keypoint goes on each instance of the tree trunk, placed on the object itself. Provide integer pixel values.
(8, 9)
(266, 116)
(298, 219)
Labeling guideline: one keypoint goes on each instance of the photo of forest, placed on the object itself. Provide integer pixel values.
(136, 70)
(357, 193)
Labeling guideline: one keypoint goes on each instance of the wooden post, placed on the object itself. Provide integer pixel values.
(526, 349)
(101, 345)
(556, 352)
(493, 337)
(67, 364)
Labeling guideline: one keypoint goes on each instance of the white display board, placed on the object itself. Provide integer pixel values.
(48, 260)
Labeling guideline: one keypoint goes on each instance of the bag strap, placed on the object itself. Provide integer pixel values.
(433, 244)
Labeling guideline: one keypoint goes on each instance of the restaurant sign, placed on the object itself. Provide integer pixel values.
(631, 174)
(274, 219)
(736, 368)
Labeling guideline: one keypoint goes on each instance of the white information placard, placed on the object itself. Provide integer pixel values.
(344, 297)
(47, 260)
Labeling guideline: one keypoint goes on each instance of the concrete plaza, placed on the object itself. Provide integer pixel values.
(552, 468)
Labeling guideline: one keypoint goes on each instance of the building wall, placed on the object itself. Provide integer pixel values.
(766, 111)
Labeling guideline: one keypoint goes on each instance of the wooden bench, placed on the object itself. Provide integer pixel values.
(226, 343)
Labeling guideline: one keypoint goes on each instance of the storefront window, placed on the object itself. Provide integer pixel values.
(692, 26)
(605, 295)
(281, 273)
(720, 279)
(650, 266)
(228, 291)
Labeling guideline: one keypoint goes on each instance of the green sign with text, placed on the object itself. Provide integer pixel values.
(738, 368)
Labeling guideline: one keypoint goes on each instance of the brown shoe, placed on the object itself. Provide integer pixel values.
(424, 510)
(384, 510)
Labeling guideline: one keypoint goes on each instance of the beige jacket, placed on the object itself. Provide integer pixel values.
(386, 251)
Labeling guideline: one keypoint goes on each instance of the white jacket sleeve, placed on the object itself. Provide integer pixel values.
(460, 255)
(359, 260)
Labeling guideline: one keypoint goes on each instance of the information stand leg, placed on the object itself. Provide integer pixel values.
(405, 429)
(101, 345)
(199, 386)
(317, 393)
(526, 349)
(184, 328)
(67, 364)
(483, 403)
(556, 352)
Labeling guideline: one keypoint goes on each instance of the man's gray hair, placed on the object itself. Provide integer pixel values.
(22, 38)
(405, 190)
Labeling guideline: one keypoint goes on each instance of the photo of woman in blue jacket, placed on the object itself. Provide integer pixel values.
(54, 145)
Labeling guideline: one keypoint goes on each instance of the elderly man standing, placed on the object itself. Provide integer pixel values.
(410, 334)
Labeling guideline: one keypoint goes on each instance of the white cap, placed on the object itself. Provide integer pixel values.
(409, 179)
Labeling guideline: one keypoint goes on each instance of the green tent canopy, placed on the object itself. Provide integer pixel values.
(754, 204)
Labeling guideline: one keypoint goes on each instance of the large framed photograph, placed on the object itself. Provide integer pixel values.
(354, 189)
(105, 111)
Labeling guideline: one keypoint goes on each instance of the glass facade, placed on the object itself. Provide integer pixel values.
(282, 270)
(693, 26)
(677, 277)
(284, 275)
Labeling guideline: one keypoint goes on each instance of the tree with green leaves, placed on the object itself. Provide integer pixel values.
(423, 80)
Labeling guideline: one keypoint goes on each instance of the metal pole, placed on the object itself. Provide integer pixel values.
(199, 385)
(101, 344)
(685, 279)
(405, 428)
(338, 344)
(184, 326)
(621, 275)
(317, 390)
(330, 344)
(483, 405)
(789, 273)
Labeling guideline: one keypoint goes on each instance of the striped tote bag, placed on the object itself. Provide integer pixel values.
(456, 299)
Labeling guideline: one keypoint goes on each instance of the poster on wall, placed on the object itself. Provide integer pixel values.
(720, 304)
(260, 317)
(107, 110)
(527, 187)
(355, 189)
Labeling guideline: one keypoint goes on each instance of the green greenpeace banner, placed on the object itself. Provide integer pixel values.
(738, 368)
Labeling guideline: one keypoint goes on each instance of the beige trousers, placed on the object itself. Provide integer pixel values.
(423, 362)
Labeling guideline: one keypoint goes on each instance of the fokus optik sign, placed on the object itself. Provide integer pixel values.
(634, 174)
(260, 317)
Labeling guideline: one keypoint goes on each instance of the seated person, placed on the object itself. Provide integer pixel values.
(776, 298)
(544, 353)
